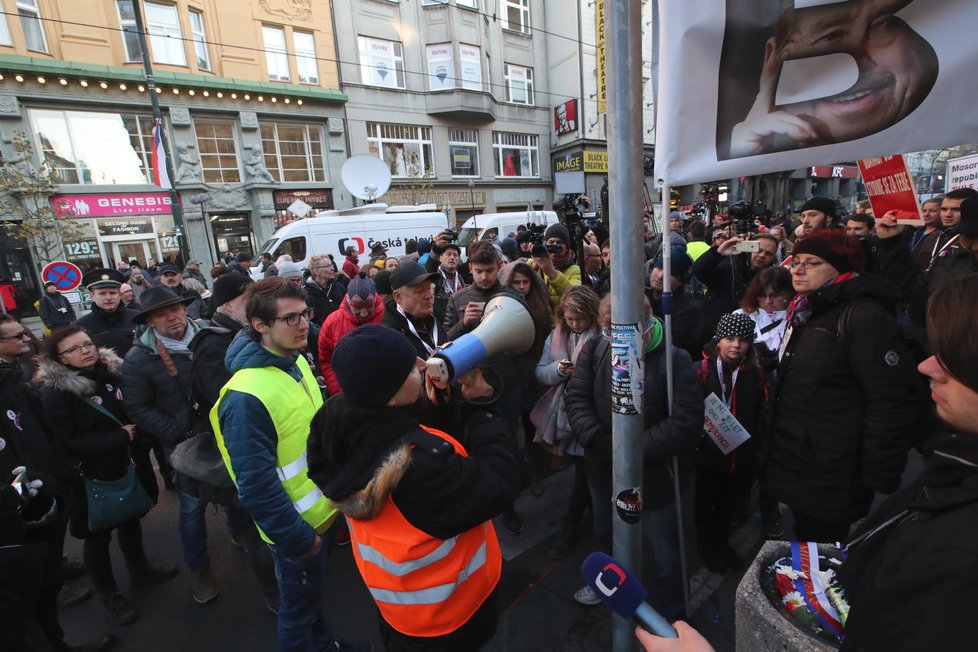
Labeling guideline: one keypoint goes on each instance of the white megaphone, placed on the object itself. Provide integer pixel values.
(506, 328)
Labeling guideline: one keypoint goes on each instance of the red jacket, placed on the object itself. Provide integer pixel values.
(350, 267)
(340, 322)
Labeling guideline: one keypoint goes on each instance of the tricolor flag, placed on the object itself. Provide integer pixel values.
(160, 177)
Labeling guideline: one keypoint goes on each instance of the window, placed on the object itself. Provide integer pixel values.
(165, 37)
(88, 147)
(463, 145)
(218, 151)
(516, 15)
(515, 155)
(405, 149)
(30, 22)
(470, 58)
(473, 4)
(295, 247)
(381, 62)
(276, 56)
(200, 40)
(519, 84)
(305, 57)
(4, 32)
(431, 3)
(293, 152)
(441, 67)
(130, 36)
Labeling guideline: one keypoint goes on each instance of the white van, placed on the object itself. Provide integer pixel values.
(331, 232)
(492, 225)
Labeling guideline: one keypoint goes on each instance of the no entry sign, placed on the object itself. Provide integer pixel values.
(65, 276)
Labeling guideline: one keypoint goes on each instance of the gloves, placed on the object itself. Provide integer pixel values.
(24, 486)
(37, 506)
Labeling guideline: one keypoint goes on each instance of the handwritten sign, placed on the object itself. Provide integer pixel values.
(722, 426)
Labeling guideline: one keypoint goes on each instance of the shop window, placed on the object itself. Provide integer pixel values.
(218, 149)
(165, 36)
(515, 155)
(463, 145)
(381, 62)
(89, 147)
(293, 152)
(406, 149)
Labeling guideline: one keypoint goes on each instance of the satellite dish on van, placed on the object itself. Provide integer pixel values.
(366, 177)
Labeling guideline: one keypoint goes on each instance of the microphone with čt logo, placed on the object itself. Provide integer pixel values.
(623, 594)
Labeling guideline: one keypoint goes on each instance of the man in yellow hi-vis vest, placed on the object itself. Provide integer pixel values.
(261, 422)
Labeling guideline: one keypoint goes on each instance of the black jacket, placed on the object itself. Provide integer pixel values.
(156, 396)
(846, 404)
(323, 300)
(199, 308)
(726, 279)
(911, 577)
(397, 321)
(588, 403)
(110, 330)
(55, 310)
(208, 372)
(687, 320)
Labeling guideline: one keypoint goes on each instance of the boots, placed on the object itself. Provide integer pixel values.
(150, 573)
(203, 584)
(119, 610)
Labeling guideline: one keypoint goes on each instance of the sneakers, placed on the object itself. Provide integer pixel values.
(512, 521)
(203, 585)
(119, 610)
(563, 542)
(151, 574)
(586, 596)
(69, 595)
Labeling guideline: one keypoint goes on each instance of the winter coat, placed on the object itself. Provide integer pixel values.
(236, 267)
(588, 402)
(209, 347)
(139, 288)
(567, 275)
(845, 407)
(336, 326)
(199, 308)
(55, 310)
(195, 274)
(558, 347)
(351, 267)
(156, 388)
(726, 279)
(323, 300)
(110, 330)
(394, 319)
(911, 576)
(687, 320)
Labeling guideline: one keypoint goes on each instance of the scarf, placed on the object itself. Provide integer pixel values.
(800, 308)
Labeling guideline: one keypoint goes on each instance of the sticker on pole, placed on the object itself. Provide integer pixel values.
(627, 369)
(629, 505)
(65, 276)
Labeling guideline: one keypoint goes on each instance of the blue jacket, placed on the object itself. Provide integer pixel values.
(251, 441)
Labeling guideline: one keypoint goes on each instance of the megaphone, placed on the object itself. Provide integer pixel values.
(506, 327)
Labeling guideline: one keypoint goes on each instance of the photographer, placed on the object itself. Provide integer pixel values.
(557, 262)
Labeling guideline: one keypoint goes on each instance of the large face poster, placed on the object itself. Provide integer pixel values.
(768, 85)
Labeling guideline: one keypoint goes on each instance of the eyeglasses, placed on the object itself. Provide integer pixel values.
(87, 346)
(292, 319)
(806, 265)
(19, 336)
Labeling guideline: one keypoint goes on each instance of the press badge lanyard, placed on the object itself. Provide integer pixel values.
(451, 286)
(414, 331)
(723, 385)
(935, 253)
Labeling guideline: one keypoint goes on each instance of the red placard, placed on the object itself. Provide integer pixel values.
(891, 188)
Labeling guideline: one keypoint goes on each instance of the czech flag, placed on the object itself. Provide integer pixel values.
(160, 177)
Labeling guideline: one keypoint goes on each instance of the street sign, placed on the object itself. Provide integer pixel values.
(65, 276)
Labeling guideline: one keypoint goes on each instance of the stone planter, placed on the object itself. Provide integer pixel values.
(762, 627)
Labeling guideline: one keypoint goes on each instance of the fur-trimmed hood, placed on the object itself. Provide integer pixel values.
(367, 502)
(55, 375)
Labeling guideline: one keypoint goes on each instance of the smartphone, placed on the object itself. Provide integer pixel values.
(748, 246)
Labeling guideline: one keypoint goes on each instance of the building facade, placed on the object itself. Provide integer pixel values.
(251, 109)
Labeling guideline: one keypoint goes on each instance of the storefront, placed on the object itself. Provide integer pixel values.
(114, 227)
(290, 204)
(17, 267)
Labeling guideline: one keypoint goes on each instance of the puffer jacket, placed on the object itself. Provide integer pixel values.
(846, 406)
(110, 330)
(156, 389)
(336, 326)
(588, 403)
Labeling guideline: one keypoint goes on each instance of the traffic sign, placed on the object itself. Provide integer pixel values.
(65, 276)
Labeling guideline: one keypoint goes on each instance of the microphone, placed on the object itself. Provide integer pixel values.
(622, 593)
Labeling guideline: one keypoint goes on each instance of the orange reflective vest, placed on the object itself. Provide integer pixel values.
(425, 586)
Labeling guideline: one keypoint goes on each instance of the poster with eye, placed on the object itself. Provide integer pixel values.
(786, 84)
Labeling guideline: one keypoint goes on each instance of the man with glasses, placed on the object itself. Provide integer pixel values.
(261, 421)
(110, 324)
(325, 292)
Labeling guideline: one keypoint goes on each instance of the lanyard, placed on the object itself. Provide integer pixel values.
(414, 331)
(723, 385)
(451, 287)
(935, 253)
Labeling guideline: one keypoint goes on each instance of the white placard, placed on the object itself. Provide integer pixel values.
(722, 426)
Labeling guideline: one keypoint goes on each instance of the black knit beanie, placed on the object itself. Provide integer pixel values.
(371, 363)
(823, 204)
(557, 231)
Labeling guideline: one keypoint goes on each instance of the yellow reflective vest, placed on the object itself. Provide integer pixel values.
(291, 406)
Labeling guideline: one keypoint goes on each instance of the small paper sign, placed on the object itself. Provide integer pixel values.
(722, 426)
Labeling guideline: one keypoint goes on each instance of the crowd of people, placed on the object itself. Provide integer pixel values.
(300, 406)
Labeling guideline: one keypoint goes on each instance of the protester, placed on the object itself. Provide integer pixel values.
(268, 268)
(687, 313)
(171, 277)
(82, 398)
(241, 264)
(418, 501)
(219, 270)
(766, 302)
(128, 298)
(325, 292)
(55, 309)
(411, 310)
(360, 306)
(351, 264)
(138, 282)
(558, 269)
(924, 238)
(192, 270)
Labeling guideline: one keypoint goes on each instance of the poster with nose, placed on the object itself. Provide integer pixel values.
(784, 84)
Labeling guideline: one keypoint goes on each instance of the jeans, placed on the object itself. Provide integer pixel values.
(301, 627)
(660, 532)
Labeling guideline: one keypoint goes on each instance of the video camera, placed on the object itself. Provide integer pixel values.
(540, 248)
(741, 216)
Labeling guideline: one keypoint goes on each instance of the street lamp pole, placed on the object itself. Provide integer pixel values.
(472, 200)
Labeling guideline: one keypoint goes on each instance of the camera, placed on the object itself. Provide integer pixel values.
(452, 235)
(741, 216)
(748, 246)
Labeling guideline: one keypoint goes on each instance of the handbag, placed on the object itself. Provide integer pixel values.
(111, 502)
(199, 458)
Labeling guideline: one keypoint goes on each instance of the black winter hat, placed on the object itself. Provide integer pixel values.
(823, 204)
(557, 231)
(371, 363)
(734, 324)
(229, 287)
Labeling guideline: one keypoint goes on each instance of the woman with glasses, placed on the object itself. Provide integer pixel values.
(83, 401)
(766, 302)
(848, 393)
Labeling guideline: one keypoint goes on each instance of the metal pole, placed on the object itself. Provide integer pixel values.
(178, 224)
(624, 30)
